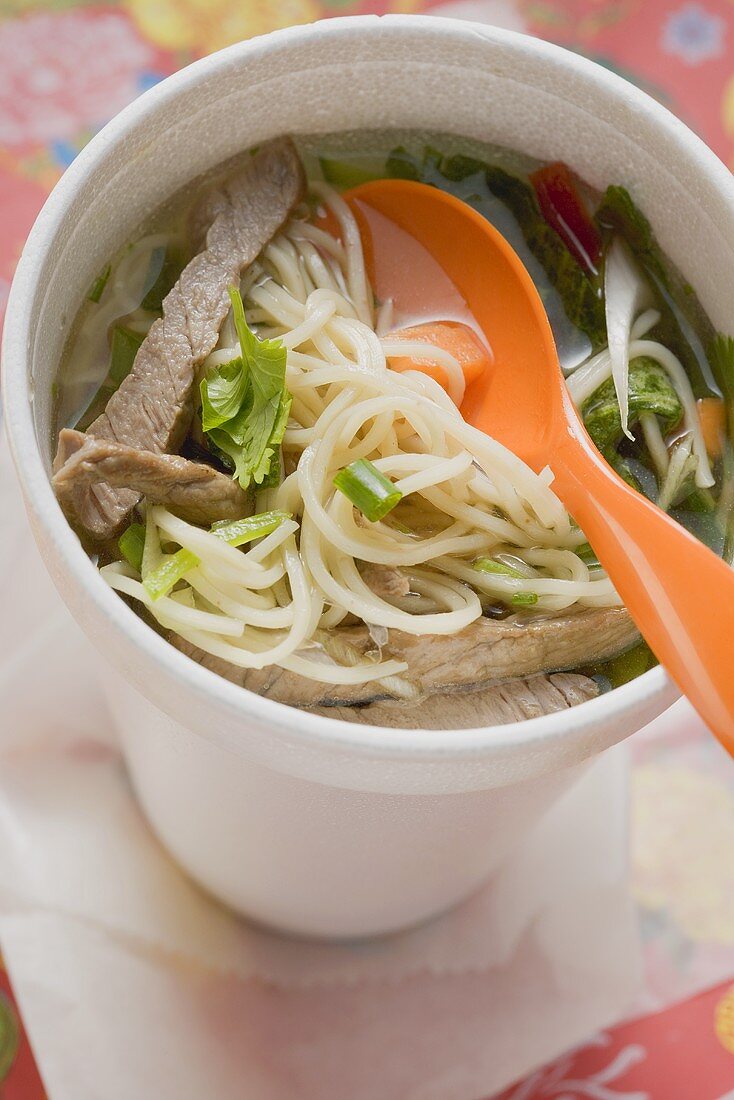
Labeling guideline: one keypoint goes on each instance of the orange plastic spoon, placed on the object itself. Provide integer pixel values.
(678, 592)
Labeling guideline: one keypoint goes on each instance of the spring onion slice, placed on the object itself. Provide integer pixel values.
(525, 599)
(368, 489)
(160, 581)
(131, 544)
(489, 565)
(239, 531)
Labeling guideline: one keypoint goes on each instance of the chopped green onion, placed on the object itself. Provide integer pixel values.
(238, 531)
(489, 565)
(131, 544)
(525, 599)
(97, 288)
(368, 489)
(160, 581)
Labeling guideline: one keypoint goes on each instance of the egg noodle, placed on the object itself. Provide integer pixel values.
(465, 497)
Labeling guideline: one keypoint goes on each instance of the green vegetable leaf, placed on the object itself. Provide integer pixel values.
(245, 405)
(368, 489)
(227, 391)
(650, 390)
(459, 167)
(403, 165)
(683, 326)
(239, 531)
(96, 290)
(161, 580)
(581, 294)
(623, 668)
(124, 346)
(132, 543)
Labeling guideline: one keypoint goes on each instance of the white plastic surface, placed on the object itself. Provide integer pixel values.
(318, 801)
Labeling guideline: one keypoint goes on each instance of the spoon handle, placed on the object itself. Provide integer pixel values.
(678, 591)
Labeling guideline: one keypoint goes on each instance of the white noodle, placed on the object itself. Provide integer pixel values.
(466, 496)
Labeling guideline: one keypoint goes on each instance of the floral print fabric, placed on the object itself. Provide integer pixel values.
(67, 66)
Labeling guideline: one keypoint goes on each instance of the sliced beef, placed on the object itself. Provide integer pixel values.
(194, 491)
(513, 701)
(153, 407)
(488, 651)
(385, 581)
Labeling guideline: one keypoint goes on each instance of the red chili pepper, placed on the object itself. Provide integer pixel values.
(565, 211)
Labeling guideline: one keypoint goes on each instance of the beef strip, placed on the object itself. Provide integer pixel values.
(487, 651)
(153, 407)
(385, 581)
(192, 490)
(496, 706)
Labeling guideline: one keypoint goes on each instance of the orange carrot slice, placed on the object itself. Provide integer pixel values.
(712, 414)
(452, 336)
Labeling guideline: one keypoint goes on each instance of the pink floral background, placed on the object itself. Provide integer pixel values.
(66, 67)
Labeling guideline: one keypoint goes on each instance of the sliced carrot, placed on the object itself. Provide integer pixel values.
(712, 415)
(451, 336)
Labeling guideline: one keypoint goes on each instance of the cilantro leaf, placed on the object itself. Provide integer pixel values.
(245, 405)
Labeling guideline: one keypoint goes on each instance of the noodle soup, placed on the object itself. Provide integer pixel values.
(272, 466)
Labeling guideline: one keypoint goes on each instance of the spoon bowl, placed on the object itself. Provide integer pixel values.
(679, 593)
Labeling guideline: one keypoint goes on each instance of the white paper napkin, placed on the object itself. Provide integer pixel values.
(135, 984)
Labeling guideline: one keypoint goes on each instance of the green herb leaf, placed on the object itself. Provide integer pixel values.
(239, 531)
(368, 489)
(97, 288)
(124, 346)
(402, 165)
(131, 544)
(580, 292)
(227, 390)
(650, 390)
(525, 599)
(245, 405)
(489, 565)
(160, 581)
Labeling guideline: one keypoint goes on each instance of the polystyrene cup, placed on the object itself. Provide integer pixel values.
(307, 823)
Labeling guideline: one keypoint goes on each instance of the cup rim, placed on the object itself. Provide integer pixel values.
(653, 688)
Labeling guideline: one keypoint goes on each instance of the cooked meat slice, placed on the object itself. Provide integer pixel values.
(192, 490)
(385, 581)
(488, 651)
(153, 407)
(512, 701)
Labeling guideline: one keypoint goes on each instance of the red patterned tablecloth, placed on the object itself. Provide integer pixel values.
(65, 68)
